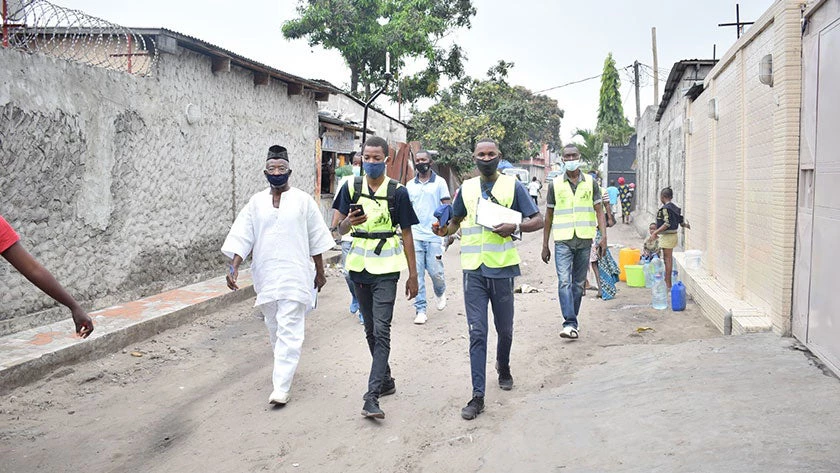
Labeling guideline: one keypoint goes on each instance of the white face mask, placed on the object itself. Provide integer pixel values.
(357, 170)
(571, 166)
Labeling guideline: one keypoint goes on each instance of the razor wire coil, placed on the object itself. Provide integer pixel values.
(38, 26)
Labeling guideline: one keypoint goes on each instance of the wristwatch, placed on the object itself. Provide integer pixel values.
(333, 229)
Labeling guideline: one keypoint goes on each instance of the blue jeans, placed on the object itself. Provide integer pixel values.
(572, 265)
(345, 250)
(426, 253)
(478, 291)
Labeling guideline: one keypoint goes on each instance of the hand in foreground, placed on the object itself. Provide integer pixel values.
(357, 217)
(232, 275)
(546, 255)
(84, 324)
(411, 287)
(320, 280)
(602, 247)
(504, 230)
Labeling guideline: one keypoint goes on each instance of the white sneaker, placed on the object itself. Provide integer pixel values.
(441, 302)
(569, 332)
(278, 398)
(420, 319)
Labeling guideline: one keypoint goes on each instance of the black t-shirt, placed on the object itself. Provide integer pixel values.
(405, 217)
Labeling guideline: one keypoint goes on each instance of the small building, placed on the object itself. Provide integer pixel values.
(660, 159)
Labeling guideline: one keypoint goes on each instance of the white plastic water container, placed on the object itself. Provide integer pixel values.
(693, 259)
(659, 290)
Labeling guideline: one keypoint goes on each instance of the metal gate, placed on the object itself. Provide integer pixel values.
(816, 301)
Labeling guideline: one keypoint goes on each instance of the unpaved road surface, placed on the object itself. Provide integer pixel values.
(680, 397)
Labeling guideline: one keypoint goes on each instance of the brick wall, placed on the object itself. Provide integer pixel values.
(741, 169)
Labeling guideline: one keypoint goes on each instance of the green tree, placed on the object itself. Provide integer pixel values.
(471, 109)
(412, 31)
(590, 149)
(612, 125)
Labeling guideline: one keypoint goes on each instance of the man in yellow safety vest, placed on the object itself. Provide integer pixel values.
(573, 210)
(373, 206)
(490, 262)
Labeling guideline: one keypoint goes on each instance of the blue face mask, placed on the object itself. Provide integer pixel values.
(374, 170)
(278, 180)
(357, 171)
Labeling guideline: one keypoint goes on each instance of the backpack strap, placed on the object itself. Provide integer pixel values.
(392, 201)
(357, 190)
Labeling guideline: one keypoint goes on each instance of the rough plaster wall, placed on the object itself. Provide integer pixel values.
(646, 202)
(114, 191)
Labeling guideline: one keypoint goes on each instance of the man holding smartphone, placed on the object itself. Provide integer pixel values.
(573, 211)
(376, 258)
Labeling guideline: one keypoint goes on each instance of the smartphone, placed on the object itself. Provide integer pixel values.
(354, 207)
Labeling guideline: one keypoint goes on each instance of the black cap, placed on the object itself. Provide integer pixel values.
(277, 152)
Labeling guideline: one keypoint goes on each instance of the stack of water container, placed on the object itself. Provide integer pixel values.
(655, 279)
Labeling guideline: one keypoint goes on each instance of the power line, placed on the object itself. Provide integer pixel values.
(576, 81)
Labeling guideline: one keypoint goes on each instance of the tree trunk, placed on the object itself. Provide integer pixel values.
(354, 80)
(367, 90)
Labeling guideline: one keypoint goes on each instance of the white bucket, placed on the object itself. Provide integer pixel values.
(693, 259)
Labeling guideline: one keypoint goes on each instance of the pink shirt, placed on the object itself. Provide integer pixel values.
(8, 237)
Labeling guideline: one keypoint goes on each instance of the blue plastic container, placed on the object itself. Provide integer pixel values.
(678, 297)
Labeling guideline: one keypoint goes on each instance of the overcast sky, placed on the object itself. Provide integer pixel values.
(552, 42)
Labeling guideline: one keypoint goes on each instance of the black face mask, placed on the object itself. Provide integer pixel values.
(488, 168)
(422, 168)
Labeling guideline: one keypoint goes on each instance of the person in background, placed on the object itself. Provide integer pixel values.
(612, 190)
(534, 188)
(283, 230)
(14, 252)
(625, 194)
(668, 221)
(427, 192)
(651, 245)
(573, 214)
(347, 240)
(603, 265)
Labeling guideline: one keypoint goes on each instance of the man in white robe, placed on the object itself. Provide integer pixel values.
(283, 230)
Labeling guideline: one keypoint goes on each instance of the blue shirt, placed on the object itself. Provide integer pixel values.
(426, 198)
(613, 192)
(522, 203)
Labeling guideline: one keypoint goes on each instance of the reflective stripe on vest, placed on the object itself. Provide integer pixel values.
(362, 254)
(479, 245)
(574, 214)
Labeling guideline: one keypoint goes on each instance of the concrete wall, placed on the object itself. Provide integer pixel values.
(110, 186)
(741, 170)
(393, 131)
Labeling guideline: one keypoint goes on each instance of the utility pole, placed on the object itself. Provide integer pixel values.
(636, 79)
(655, 69)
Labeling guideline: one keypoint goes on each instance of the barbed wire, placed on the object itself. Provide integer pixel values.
(38, 26)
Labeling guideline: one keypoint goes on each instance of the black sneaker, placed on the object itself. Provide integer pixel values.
(371, 409)
(388, 387)
(505, 378)
(473, 408)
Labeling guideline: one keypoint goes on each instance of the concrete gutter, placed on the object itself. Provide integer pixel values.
(31, 354)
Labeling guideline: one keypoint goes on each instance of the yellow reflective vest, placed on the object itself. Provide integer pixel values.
(574, 213)
(376, 246)
(479, 245)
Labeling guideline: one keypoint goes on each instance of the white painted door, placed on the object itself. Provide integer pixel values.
(817, 305)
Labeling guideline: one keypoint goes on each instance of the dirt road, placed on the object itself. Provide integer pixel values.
(195, 398)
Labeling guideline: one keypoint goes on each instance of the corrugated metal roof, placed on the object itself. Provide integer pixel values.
(198, 45)
(674, 79)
